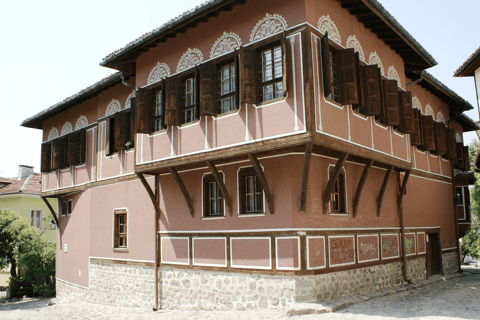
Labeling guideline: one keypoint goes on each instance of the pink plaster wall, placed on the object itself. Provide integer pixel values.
(316, 252)
(251, 253)
(175, 250)
(210, 251)
(287, 253)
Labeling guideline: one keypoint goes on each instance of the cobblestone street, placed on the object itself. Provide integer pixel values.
(456, 298)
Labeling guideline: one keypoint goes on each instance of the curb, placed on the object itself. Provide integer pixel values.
(298, 309)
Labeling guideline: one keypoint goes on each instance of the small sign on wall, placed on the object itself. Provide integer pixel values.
(64, 247)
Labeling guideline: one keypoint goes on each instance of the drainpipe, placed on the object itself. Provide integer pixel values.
(402, 233)
(418, 80)
(456, 222)
(157, 198)
(125, 83)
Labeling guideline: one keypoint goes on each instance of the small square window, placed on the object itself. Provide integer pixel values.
(120, 229)
(251, 192)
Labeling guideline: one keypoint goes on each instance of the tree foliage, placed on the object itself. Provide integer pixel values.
(24, 248)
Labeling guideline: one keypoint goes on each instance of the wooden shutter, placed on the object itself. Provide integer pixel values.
(207, 89)
(440, 143)
(348, 76)
(459, 162)
(120, 131)
(372, 91)
(58, 153)
(406, 112)
(110, 136)
(390, 96)
(428, 133)
(196, 93)
(173, 91)
(46, 156)
(82, 146)
(451, 143)
(72, 142)
(466, 158)
(248, 73)
(360, 85)
(284, 64)
(416, 136)
(327, 77)
(144, 109)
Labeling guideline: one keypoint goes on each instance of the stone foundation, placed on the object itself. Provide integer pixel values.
(450, 262)
(416, 269)
(69, 292)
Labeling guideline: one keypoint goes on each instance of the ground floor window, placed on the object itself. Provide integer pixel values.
(251, 192)
(36, 218)
(120, 229)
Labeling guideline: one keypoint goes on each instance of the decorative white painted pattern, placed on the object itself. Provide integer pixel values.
(160, 71)
(225, 44)
(373, 58)
(113, 107)
(326, 24)
(82, 122)
(416, 103)
(429, 111)
(352, 42)
(127, 102)
(458, 138)
(189, 59)
(53, 133)
(67, 128)
(392, 74)
(440, 117)
(268, 26)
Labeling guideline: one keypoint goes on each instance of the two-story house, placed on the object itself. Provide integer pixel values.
(252, 154)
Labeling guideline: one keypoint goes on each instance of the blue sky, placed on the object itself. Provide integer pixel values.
(51, 50)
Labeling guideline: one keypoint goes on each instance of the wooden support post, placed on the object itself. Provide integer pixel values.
(402, 191)
(360, 186)
(306, 170)
(382, 190)
(263, 179)
(331, 183)
(55, 217)
(179, 181)
(150, 193)
(223, 189)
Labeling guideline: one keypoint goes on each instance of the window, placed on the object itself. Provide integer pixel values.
(212, 197)
(188, 100)
(36, 219)
(334, 74)
(69, 207)
(271, 74)
(251, 192)
(120, 229)
(227, 88)
(158, 111)
(119, 132)
(459, 196)
(338, 197)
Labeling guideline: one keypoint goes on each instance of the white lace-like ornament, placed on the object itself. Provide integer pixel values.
(127, 102)
(458, 138)
(160, 71)
(82, 122)
(67, 128)
(373, 58)
(392, 74)
(325, 24)
(269, 25)
(416, 104)
(225, 44)
(189, 59)
(352, 42)
(53, 133)
(429, 111)
(113, 107)
(440, 117)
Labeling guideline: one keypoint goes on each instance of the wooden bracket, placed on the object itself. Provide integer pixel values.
(179, 181)
(360, 186)
(402, 191)
(306, 170)
(331, 183)
(55, 217)
(382, 190)
(152, 196)
(263, 179)
(223, 189)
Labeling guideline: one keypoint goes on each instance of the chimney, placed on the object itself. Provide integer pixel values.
(24, 171)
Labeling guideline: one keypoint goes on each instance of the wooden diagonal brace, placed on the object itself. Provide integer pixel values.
(360, 186)
(382, 190)
(306, 170)
(331, 182)
(261, 175)
(55, 217)
(152, 196)
(179, 181)
(223, 189)
(402, 191)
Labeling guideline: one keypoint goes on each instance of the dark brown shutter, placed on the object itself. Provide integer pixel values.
(207, 89)
(416, 136)
(440, 143)
(428, 133)
(58, 153)
(360, 85)
(459, 161)
(82, 146)
(46, 156)
(466, 158)
(110, 136)
(451, 143)
(248, 92)
(133, 115)
(120, 130)
(466, 192)
(406, 111)
(144, 109)
(372, 91)
(327, 77)
(284, 64)
(196, 93)
(173, 91)
(72, 142)
(348, 76)
(390, 96)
